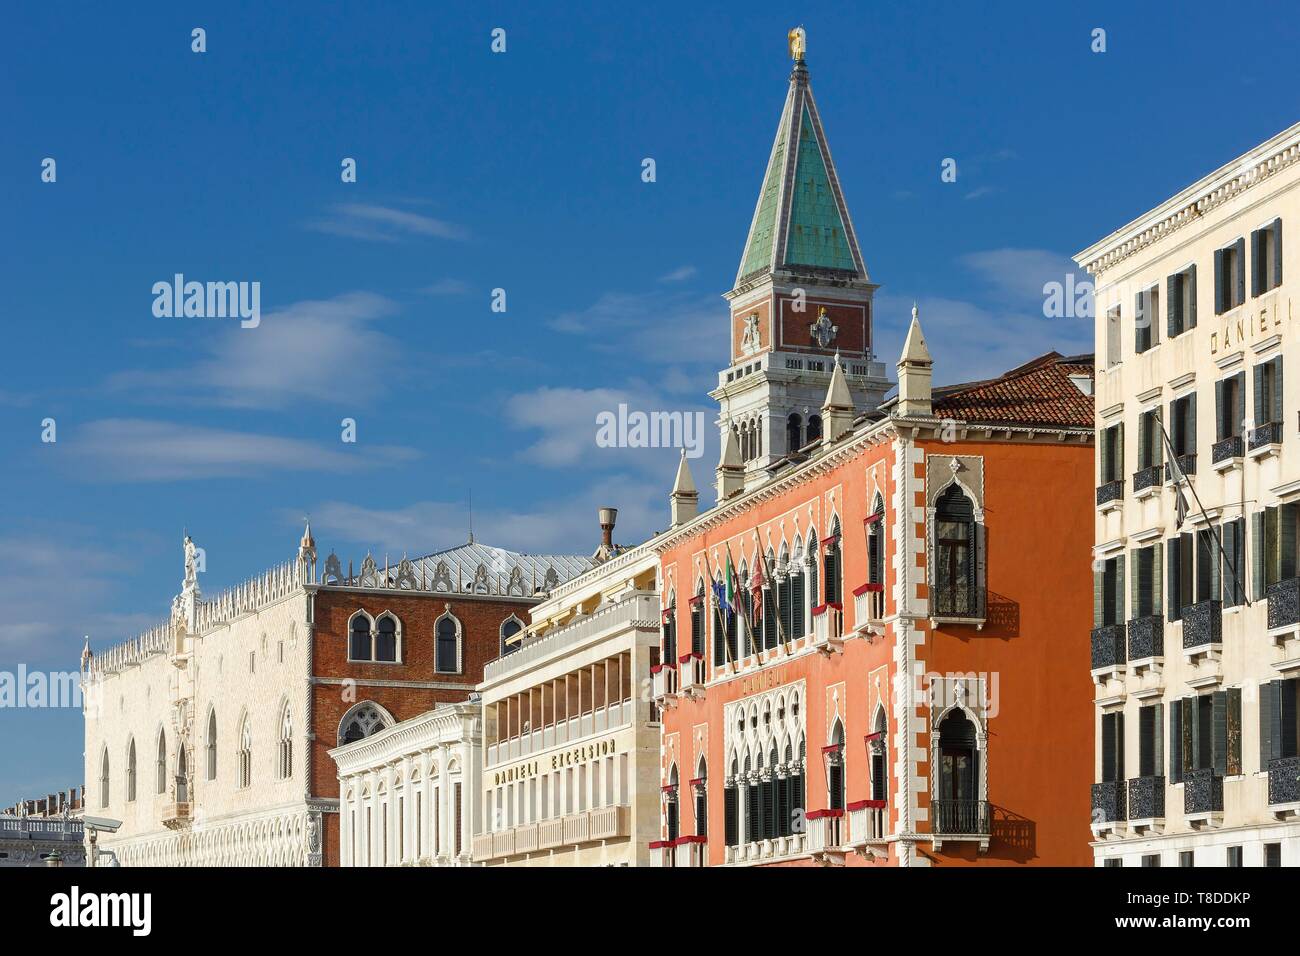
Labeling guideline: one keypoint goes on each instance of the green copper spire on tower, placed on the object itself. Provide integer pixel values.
(801, 223)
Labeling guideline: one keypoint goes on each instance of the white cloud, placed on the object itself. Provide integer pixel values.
(138, 450)
(447, 287)
(1019, 274)
(383, 224)
(309, 351)
(679, 275)
(678, 329)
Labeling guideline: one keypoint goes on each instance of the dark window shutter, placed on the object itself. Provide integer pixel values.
(1173, 308)
(1234, 730)
(1220, 411)
(1239, 404)
(1119, 590)
(1158, 740)
(1175, 741)
(1190, 292)
(1105, 457)
(787, 616)
(1257, 273)
(1230, 585)
(1191, 735)
(1098, 598)
(796, 605)
(730, 836)
(1286, 540)
(1146, 741)
(1190, 443)
(1174, 609)
(697, 630)
(1276, 404)
(1257, 555)
(1277, 252)
(1156, 585)
(1241, 272)
(769, 618)
(1119, 451)
(1220, 283)
(1219, 717)
(1262, 412)
(1108, 753)
(1134, 585)
(1266, 691)
(1119, 746)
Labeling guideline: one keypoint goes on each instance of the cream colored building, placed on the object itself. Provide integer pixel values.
(1196, 644)
(407, 795)
(571, 754)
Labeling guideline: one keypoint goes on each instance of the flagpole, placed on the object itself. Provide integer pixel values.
(749, 631)
(776, 601)
(722, 622)
(1218, 538)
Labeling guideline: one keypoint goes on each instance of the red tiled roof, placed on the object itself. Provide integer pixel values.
(1037, 393)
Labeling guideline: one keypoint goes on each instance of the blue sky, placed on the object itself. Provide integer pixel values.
(518, 171)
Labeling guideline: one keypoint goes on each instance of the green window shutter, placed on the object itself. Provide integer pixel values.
(1157, 435)
(1261, 412)
(1257, 553)
(1190, 444)
(1191, 735)
(1220, 412)
(1146, 741)
(1174, 602)
(1220, 283)
(1134, 587)
(1241, 272)
(796, 605)
(1219, 724)
(1256, 262)
(1175, 740)
(1230, 563)
(1284, 705)
(1266, 691)
(1157, 580)
(1098, 598)
(1239, 404)
(1119, 451)
(1119, 589)
(1234, 730)
(1277, 251)
(1108, 747)
(1103, 456)
(1276, 410)
(1190, 287)
(1143, 442)
(1158, 740)
(1173, 307)
(1119, 745)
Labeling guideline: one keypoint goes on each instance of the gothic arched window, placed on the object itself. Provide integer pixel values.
(212, 745)
(833, 570)
(670, 631)
(670, 804)
(697, 620)
(245, 754)
(363, 720)
(731, 808)
(286, 743)
(386, 639)
(359, 640)
(130, 771)
(509, 628)
(955, 557)
(103, 779)
(447, 644)
(160, 770)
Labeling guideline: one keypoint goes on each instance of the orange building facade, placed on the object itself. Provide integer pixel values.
(870, 645)
(917, 703)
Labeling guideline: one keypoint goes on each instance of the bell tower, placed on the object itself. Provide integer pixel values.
(802, 294)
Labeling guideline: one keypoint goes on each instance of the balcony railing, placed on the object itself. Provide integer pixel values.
(867, 822)
(1109, 801)
(608, 823)
(1146, 637)
(1227, 448)
(550, 833)
(1203, 792)
(828, 624)
(1284, 781)
(176, 815)
(1110, 491)
(869, 604)
(481, 846)
(1147, 478)
(691, 668)
(664, 679)
(961, 817)
(1146, 798)
(690, 851)
(1107, 646)
(1180, 466)
(600, 823)
(1270, 434)
(1202, 624)
(1283, 603)
(825, 830)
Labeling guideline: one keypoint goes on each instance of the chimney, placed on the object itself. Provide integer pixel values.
(607, 518)
(914, 369)
(837, 411)
(731, 470)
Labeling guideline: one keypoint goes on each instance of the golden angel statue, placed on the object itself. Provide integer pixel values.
(798, 43)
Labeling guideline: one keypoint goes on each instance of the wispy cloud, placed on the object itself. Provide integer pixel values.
(300, 353)
(670, 328)
(447, 287)
(680, 274)
(383, 224)
(1019, 274)
(139, 450)
(979, 192)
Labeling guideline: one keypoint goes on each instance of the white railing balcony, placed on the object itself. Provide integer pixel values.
(503, 842)
(690, 851)
(609, 823)
(550, 833)
(867, 822)
(577, 829)
(828, 627)
(692, 673)
(664, 678)
(825, 831)
(868, 606)
(526, 838)
(482, 846)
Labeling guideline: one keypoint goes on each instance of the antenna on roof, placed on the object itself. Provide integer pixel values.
(471, 516)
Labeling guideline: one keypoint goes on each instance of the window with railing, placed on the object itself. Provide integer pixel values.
(957, 585)
(1267, 428)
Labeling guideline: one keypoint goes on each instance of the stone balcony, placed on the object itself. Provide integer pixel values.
(574, 829)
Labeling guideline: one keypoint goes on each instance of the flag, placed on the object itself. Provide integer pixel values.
(731, 584)
(720, 595)
(1180, 507)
